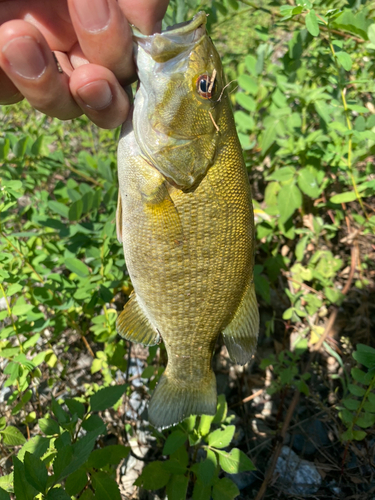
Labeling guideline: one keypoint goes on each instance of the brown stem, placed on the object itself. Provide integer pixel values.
(279, 446)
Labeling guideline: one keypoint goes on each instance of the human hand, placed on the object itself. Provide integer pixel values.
(92, 41)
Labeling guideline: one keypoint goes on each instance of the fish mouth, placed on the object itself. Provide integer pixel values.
(174, 40)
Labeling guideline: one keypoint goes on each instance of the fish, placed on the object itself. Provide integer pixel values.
(185, 218)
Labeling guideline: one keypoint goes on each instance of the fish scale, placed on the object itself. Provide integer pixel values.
(186, 222)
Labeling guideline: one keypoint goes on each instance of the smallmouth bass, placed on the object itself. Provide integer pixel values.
(185, 218)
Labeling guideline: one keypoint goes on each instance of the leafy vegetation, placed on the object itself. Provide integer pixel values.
(302, 89)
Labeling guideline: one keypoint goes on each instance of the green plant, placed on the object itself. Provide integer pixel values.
(66, 448)
(357, 408)
(182, 468)
(286, 370)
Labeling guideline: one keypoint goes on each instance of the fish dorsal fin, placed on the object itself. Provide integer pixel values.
(119, 218)
(240, 336)
(132, 324)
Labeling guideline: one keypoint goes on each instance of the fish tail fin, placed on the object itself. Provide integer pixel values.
(174, 399)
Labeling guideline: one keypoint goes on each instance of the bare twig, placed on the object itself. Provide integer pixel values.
(279, 446)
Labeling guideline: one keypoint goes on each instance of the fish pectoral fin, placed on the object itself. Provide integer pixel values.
(132, 324)
(240, 336)
(119, 218)
(165, 218)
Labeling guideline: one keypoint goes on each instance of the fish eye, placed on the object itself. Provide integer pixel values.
(206, 86)
(203, 85)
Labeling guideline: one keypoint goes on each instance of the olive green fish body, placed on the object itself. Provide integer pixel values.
(188, 235)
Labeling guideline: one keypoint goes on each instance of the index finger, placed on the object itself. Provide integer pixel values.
(146, 15)
(104, 36)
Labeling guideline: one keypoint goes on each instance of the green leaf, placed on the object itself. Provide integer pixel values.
(235, 461)
(62, 460)
(365, 420)
(221, 438)
(87, 494)
(355, 23)
(109, 455)
(107, 397)
(244, 121)
(346, 416)
(358, 375)
(4, 495)
(348, 435)
(289, 199)
(75, 210)
(356, 390)
(75, 483)
(57, 494)
(207, 468)
(205, 424)
(269, 136)
(365, 355)
(225, 489)
(49, 426)
(12, 436)
(283, 174)
(105, 487)
(307, 183)
(153, 476)
(174, 441)
(59, 413)
(371, 33)
(350, 403)
(248, 83)
(345, 60)
(250, 63)
(35, 472)
(174, 467)
(6, 482)
(22, 488)
(77, 267)
(343, 197)
(312, 23)
(222, 409)
(37, 445)
(20, 309)
(71, 457)
(94, 423)
(359, 435)
(177, 487)
(76, 407)
(59, 208)
(201, 492)
(246, 101)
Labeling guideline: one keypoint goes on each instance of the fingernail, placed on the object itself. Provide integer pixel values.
(93, 14)
(96, 95)
(25, 57)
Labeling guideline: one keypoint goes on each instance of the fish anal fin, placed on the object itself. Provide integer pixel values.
(133, 325)
(119, 218)
(240, 336)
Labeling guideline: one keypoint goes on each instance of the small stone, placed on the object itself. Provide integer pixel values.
(296, 476)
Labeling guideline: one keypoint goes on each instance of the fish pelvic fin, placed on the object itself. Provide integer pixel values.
(240, 336)
(174, 399)
(133, 324)
(119, 218)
